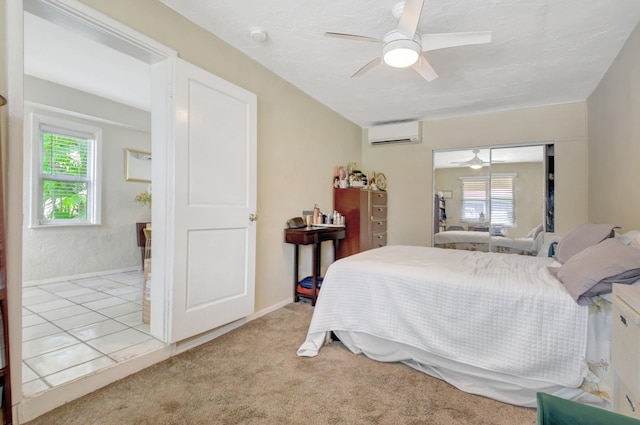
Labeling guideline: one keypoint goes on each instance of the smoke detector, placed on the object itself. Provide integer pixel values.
(258, 34)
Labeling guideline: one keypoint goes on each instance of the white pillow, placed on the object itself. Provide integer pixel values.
(533, 233)
(629, 236)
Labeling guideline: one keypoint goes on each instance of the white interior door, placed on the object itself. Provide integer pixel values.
(211, 201)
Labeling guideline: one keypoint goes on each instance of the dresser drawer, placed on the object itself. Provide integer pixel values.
(378, 213)
(625, 344)
(379, 226)
(378, 198)
(378, 240)
(625, 402)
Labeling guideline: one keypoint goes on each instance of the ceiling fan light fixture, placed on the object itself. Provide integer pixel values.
(401, 53)
(475, 166)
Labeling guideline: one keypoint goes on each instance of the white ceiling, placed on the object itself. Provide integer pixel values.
(512, 154)
(56, 54)
(543, 52)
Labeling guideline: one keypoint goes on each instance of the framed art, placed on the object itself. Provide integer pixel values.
(137, 166)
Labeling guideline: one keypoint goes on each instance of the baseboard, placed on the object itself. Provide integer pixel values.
(268, 310)
(79, 276)
(182, 346)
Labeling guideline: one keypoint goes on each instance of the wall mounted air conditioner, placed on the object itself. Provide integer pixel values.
(405, 132)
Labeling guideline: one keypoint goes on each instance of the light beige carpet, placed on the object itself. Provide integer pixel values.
(253, 376)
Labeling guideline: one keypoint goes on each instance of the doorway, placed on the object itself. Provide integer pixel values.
(89, 306)
(83, 285)
(195, 115)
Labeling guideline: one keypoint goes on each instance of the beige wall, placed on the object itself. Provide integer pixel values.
(408, 167)
(614, 141)
(293, 173)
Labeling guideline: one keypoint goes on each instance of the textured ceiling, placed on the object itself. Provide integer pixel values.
(543, 51)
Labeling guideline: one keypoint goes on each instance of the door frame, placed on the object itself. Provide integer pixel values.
(116, 35)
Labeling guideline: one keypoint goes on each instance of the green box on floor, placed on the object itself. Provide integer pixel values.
(558, 411)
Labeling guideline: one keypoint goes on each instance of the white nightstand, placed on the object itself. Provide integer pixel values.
(625, 350)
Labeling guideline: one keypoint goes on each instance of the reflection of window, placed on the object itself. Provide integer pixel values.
(498, 208)
(65, 178)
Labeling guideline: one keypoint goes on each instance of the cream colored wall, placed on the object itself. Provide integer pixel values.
(112, 245)
(614, 141)
(529, 193)
(408, 167)
(293, 173)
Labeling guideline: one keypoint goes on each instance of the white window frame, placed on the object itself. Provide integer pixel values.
(72, 128)
(489, 196)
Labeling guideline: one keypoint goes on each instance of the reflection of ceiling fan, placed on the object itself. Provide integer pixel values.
(476, 163)
(403, 47)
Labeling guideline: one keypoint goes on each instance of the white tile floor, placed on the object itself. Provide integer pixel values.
(75, 327)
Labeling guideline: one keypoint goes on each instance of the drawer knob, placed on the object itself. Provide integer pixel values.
(623, 320)
(633, 409)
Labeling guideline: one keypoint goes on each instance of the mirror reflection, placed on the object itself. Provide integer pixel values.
(491, 199)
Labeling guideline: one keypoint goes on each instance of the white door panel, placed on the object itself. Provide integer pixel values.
(215, 167)
(213, 239)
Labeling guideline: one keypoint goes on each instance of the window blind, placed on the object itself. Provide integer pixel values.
(65, 177)
(493, 197)
(502, 200)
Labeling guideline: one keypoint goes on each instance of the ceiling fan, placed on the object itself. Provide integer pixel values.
(404, 47)
(476, 163)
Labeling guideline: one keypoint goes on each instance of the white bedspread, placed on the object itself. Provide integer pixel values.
(502, 313)
(463, 236)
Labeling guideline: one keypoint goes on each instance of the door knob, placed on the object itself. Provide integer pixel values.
(253, 217)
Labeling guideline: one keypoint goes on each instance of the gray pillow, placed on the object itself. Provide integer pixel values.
(592, 271)
(581, 237)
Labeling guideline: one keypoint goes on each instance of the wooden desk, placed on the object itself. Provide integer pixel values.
(141, 239)
(312, 236)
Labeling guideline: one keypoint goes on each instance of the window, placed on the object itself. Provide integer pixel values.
(66, 187)
(499, 208)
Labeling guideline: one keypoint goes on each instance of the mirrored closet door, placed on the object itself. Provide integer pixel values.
(493, 199)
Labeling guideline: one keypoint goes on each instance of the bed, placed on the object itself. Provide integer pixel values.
(501, 326)
(479, 241)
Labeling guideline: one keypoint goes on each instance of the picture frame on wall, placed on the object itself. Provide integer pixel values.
(137, 166)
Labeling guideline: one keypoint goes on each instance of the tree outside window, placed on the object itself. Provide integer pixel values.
(67, 186)
(65, 179)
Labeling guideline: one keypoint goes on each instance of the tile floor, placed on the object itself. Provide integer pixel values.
(75, 327)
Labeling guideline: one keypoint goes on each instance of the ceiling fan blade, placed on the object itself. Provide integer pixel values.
(410, 16)
(423, 68)
(352, 37)
(366, 68)
(453, 39)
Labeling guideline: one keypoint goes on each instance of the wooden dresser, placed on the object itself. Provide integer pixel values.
(365, 213)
